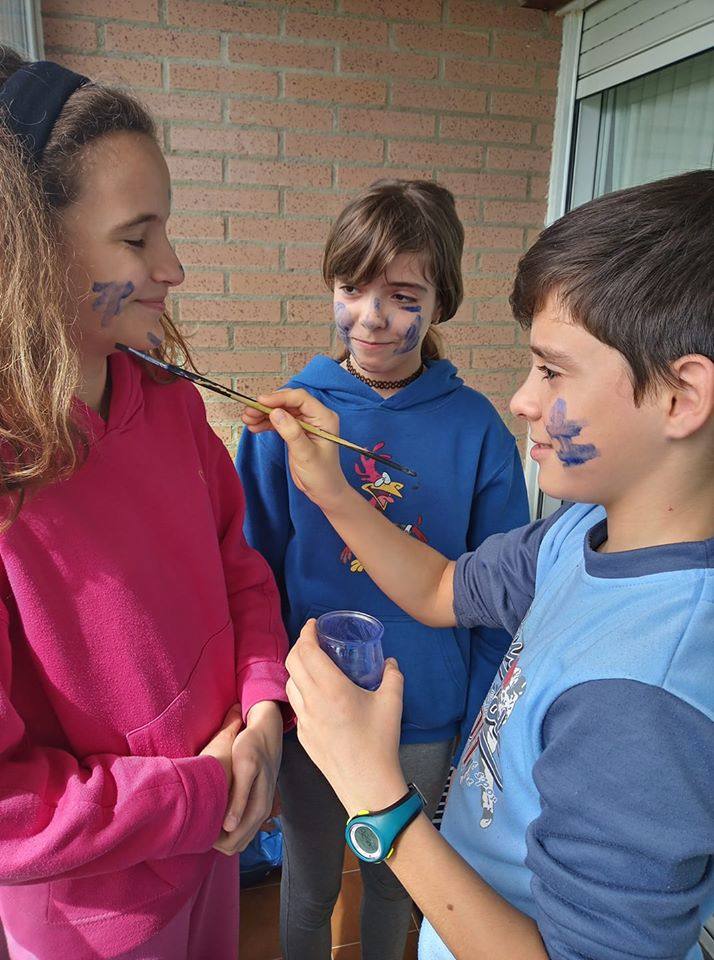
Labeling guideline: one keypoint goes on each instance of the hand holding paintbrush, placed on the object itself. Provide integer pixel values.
(307, 419)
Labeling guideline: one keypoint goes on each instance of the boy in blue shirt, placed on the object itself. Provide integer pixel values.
(580, 822)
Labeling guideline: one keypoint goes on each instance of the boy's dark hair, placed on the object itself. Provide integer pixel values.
(400, 216)
(634, 268)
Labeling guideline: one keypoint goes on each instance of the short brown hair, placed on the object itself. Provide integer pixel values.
(634, 268)
(393, 217)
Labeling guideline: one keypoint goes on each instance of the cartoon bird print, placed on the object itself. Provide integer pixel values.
(381, 491)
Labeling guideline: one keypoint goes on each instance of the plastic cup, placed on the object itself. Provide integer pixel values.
(353, 641)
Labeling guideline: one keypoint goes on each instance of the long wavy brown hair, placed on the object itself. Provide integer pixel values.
(41, 440)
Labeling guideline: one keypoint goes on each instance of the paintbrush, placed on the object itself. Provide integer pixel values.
(218, 388)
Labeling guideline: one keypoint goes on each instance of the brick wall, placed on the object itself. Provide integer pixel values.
(273, 114)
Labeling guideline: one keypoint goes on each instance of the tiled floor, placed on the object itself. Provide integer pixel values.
(259, 911)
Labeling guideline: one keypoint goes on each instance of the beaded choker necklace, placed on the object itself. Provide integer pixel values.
(383, 384)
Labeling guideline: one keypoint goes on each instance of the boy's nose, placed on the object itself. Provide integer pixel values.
(524, 402)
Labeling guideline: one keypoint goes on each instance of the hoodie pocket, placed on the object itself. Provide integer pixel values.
(435, 673)
(182, 729)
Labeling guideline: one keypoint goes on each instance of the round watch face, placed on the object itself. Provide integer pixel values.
(366, 840)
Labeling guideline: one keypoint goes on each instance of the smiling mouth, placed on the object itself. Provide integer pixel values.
(374, 343)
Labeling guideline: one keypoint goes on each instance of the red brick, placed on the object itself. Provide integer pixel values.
(199, 227)
(309, 26)
(228, 140)
(530, 161)
(254, 386)
(283, 336)
(228, 255)
(491, 358)
(291, 116)
(389, 64)
(434, 154)
(441, 40)
(485, 184)
(523, 105)
(495, 335)
(202, 335)
(309, 311)
(225, 198)
(73, 34)
(495, 311)
(223, 79)
(433, 97)
(130, 9)
(394, 123)
(548, 78)
(528, 213)
(276, 284)
(231, 311)
(203, 282)
(315, 204)
(161, 43)
(395, 9)
(334, 89)
(493, 237)
(183, 106)
(487, 73)
(499, 262)
(476, 129)
(278, 230)
(225, 435)
(291, 55)
(308, 259)
(531, 49)
(544, 134)
(137, 73)
(356, 178)
(487, 286)
(195, 168)
(221, 16)
(539, 188)
(491, 383)
(491, 16)
(532, 235)
(244, 171)
(230, 361)
(334, 147)
(459, 358)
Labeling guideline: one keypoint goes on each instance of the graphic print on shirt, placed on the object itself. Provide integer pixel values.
(480, 765)
(381, 491)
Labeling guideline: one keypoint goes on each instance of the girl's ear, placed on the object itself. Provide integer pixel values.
(691, 402)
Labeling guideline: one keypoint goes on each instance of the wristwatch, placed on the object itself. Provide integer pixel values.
(371, 834)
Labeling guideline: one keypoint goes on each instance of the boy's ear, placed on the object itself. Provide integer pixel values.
(691, 402)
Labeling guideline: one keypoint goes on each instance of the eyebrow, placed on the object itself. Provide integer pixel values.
(137, 221)
(406, 283)
(552, 356)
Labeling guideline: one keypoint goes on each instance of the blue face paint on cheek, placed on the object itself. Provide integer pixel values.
(564, 432)
(411, 337)
(110, 299)
(343, 321)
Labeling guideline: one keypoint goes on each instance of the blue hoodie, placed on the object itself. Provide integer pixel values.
(469, 485)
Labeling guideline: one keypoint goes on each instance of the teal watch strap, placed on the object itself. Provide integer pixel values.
(371, 834)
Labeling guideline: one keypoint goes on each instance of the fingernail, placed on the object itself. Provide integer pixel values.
(230, 823)
(278, 415)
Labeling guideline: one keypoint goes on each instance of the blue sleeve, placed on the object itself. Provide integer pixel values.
(500, 504)
(261, 466)
(494, 585)
(621, 853)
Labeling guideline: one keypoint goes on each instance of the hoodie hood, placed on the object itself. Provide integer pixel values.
(324, 376)
(127, 398)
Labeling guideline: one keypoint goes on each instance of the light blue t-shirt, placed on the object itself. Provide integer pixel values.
(584, 795)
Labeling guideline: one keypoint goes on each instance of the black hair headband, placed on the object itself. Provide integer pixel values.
(31, 100)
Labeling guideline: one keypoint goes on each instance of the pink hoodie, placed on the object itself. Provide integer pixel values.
(132, 616)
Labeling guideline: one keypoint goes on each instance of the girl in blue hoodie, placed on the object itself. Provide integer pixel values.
(393, 262)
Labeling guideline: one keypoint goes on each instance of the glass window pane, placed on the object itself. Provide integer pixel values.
(656, 126)
(17, 26)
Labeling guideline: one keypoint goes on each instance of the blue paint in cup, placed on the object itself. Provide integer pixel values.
(353, 641)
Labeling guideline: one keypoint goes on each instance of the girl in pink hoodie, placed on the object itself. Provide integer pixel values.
(141, 644)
